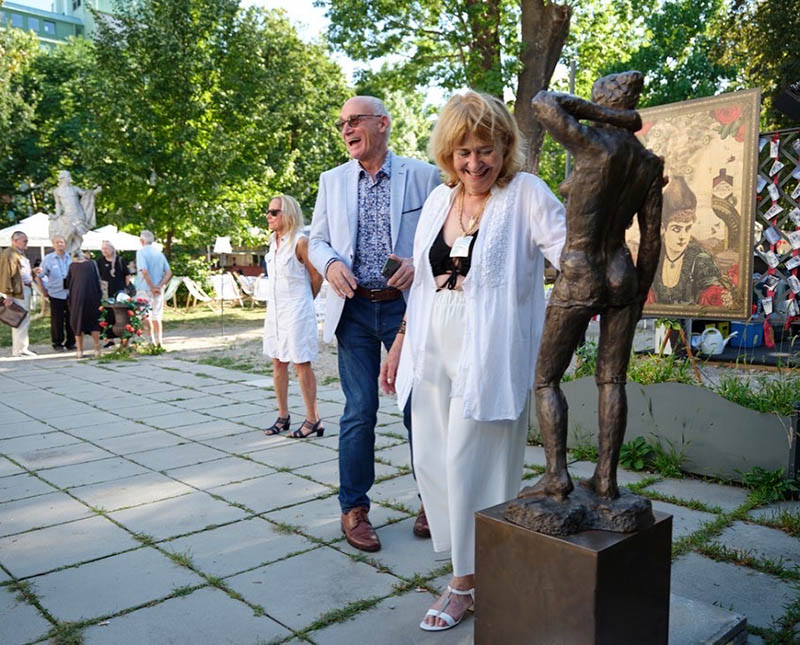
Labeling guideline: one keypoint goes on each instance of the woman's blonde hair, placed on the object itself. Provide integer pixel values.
(485, 117)
(292, 212)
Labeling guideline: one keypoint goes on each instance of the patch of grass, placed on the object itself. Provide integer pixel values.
(635, 454)
(769, 485)
(654, 369)
(66, 633)
(339, 615)
(394, 435)
(284, 528)
(584, 452)
(199, 318)
(24, 591)
(761, 393)
(118, 354)
(784, 520)
(145, 539)
(202, 375)
(640, 454)
(183, 591)
(230, 363)
(182, 559)
(38, 332)
(745, 557)
(329, 380)
(699, 538)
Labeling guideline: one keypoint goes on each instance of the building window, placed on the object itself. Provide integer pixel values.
(49, 27)
(76, 4)
(16, 20)
(33, 23)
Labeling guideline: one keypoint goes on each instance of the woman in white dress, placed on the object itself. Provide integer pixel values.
(469, 341)
(290, 326)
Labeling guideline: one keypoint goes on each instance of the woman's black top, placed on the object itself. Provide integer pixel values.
(116, 283)
(442, 263)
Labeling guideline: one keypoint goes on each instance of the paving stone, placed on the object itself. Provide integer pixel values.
(93, 418)
(210, 430)
(294, 455)
(23, 428)
(204, 616)
(21, 486)
(183, 395)
(399, 455)
(37, 552)
(21, 445)
(271, 492)
(773, 510)
(39, 511)
(251, 394)
(758, 596)
(122, 581)
(282, 588)
(534, 455)
(121, 428)
(170, 421)
(203, 402)
(321, 518)
(75, 453)
(728, 498)
(263, 419)
(236, 547)
(92, 472)
(402, 490)
(397, 620)
(139, 442)
(187, 454)
(118, 401)
(693, 621)
(139, 386)
(248, 441)
(328, 472)
(217, 473)
(27, 624)
(585, 469)
(8, 467)
(762, 542)
(685, 521)
(221, 388)
(234, 410)
(146, 410)
(327, 410)
(177, 516)
(130, 491)
(403, 553)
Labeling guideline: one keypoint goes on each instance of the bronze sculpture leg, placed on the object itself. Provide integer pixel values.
(563, 329)
(617, 326)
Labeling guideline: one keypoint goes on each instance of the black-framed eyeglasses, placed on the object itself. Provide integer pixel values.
(274, 212)
(354, 120)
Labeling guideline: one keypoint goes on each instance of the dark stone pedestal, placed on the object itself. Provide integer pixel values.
(593, 587)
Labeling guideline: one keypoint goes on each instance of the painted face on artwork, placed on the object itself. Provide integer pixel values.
(677, 234)
(477, 164)
(363, 133)
(275, 216)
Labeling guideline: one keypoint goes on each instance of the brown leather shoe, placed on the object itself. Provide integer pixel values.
(421, 528)
(358, 530)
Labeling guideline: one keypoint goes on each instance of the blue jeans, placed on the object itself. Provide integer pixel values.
(363, 327)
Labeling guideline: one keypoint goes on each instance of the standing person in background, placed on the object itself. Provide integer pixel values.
(54, 268)
(83, 282)
(16, 278)
(114, 277)
(153, 273)
(366, 213)
(290, 326)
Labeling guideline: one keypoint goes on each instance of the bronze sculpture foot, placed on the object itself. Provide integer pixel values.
(557, 486)
(603, 488)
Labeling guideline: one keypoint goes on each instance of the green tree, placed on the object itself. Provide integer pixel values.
(770, 59)
(489, 45)
(203, 111)
(17, 52)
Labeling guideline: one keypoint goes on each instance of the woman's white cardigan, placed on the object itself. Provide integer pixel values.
(504, 294)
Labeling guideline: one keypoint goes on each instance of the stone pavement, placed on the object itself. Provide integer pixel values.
(140, 503)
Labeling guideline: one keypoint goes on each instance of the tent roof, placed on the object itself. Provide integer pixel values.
(36, 228)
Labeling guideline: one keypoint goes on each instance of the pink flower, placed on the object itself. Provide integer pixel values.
(740, 134)
(103, 323)
(727, 115)
(100, 308)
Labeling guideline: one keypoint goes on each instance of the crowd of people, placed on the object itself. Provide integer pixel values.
(441, 266)
(74, 285)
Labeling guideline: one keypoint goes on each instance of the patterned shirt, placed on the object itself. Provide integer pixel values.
(374, 241)
(54, 272)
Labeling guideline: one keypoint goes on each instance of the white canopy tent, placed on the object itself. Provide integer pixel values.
(36, 228)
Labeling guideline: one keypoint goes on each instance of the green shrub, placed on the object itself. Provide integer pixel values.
(635, 454)
(655, 369)
(767, 395)
(769, 485)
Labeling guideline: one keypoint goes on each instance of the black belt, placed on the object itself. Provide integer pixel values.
(379, 295)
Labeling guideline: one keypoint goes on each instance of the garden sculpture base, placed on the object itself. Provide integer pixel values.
(583, 510)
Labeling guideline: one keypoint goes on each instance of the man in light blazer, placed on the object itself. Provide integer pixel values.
(366, 212)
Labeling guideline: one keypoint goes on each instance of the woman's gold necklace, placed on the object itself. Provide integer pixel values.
(475, 220)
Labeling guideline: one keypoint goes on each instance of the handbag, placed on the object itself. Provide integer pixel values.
(11, 313)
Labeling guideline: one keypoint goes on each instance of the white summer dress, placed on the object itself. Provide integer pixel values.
(290, 326)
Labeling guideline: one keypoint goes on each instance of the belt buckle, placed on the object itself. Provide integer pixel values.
(375, 295)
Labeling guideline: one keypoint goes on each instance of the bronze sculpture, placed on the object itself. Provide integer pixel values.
(615, 179)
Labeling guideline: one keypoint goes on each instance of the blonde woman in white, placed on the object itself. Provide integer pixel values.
(290, 326)
(469, 343)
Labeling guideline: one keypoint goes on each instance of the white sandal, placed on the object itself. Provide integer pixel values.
(441, 613)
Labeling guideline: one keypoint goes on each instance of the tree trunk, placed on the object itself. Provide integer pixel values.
(168, 245)
(545, 26)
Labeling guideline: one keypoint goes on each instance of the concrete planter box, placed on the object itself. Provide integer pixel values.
(717, 437)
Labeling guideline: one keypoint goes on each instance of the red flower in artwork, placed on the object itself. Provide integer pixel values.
(727, 115)
(138, 332)
(129, 327)
(740, 134)
(645, 129)
(103, 323)
(100, 308)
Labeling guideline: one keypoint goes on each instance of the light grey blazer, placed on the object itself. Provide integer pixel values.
(334, 227)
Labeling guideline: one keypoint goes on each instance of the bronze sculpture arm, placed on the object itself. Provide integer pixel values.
(649, 217)
(561, 113)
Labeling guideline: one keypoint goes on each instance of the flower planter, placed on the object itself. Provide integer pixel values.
(121, 318)
(717, 438)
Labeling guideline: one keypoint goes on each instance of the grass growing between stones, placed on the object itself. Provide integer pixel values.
(786, 521)
(66, 633)
(746, 558)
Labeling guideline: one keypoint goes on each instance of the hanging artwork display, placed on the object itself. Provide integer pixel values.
(711, 158)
